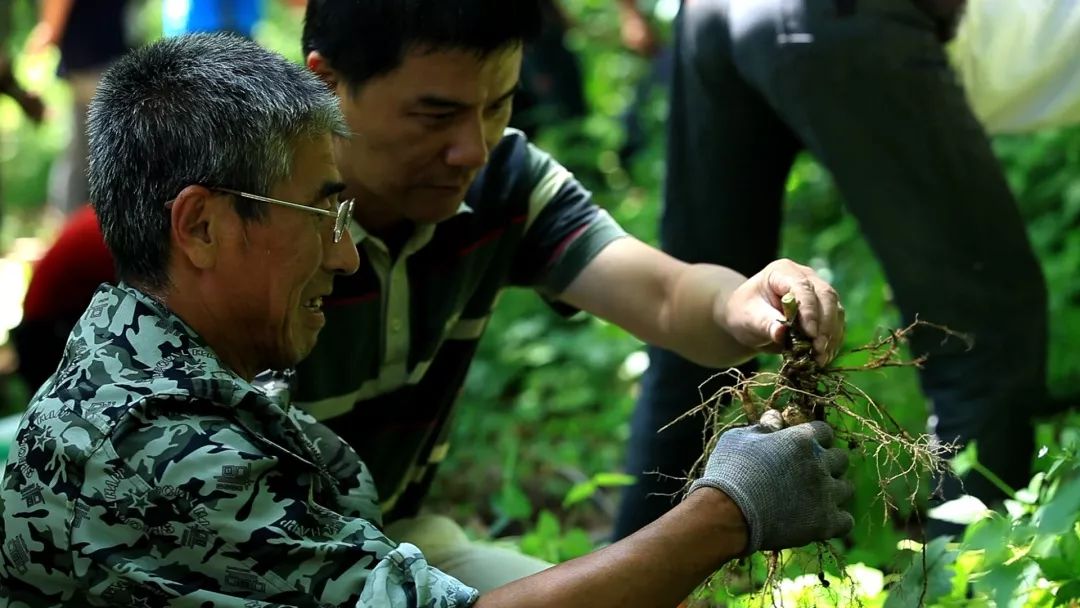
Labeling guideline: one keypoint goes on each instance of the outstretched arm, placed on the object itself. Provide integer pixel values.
(709, 314)
(657, 566)
(52, 20)
(760, 490)
(638, 34)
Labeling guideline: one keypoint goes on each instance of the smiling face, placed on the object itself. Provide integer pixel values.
(276, 271)
(422, 132)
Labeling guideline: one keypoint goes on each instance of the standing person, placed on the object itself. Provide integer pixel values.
(90, 34)
(188, 16)
(864, 85)
(452, 208)
(149, 470)
(30, 104)
(62, 283)
(552, 87)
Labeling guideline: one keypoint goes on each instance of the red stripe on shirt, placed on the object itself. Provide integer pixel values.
(491, 236)
(566, 243)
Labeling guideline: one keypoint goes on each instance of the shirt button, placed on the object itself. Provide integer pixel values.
(395, 325)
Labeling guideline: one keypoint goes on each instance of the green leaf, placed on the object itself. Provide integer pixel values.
(1061, 513)
(1067, 593)
(963, 462)
(990, 535)
(584, 490)
(613, 480)
(936, 579)
(1056, 568)
(580, 492)
(513, 503)
(1061, 560)
(1003, 582)
(574, 543)
(547, 525)
(964, 510)
(543, 541)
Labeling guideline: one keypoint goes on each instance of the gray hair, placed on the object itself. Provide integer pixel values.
(210, 109)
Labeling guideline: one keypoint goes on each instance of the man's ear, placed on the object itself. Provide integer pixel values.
(321, 67)
(195, 229)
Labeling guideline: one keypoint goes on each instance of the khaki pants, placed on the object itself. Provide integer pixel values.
(483, 565)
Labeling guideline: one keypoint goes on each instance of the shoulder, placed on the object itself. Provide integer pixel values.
(170, 430)
(515, 170)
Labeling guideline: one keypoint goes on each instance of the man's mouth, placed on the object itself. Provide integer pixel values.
(314, 304)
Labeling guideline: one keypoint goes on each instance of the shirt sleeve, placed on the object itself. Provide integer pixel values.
(564, 227)
(195, 510)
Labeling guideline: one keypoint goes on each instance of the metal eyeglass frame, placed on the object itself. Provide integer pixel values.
(341, 216)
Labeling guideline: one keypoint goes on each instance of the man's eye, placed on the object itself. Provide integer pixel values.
(437, 117)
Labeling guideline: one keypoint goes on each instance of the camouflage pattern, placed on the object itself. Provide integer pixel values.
(146, 474)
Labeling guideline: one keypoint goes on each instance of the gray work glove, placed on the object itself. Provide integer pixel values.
(787, 483)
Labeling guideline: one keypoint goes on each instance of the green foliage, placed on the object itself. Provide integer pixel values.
(1026, 557)
(551, 543)
(586, 489)
(543, 418)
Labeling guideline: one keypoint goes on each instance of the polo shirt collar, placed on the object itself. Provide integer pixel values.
(419, 238)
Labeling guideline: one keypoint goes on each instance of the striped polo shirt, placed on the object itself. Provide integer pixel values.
(401, 333)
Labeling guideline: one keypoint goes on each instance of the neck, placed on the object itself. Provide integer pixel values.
(199, 314)
(376, 215)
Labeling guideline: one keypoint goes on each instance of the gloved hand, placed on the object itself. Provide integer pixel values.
(787, 483)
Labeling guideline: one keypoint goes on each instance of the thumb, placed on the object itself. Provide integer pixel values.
(765, 323)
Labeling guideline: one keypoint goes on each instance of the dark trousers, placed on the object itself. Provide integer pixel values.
(865, 87)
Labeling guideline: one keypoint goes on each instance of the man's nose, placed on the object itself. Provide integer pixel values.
(341, 257)
(468, 149)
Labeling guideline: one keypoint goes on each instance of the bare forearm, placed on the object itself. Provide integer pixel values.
(658, 566)
(55, 13)
(691, 320)
(662, 301)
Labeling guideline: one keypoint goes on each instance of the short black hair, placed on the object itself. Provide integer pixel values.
(366, 38)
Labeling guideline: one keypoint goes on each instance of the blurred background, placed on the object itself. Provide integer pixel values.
(541, 430)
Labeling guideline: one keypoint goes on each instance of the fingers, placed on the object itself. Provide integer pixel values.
(785, 277)
(831, 325)
(821, 316)
(822, 433)
(842, 490)
(841, 525)
(841, 320)
(836, 461)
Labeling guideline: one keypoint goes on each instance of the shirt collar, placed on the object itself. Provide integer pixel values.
(423, 233)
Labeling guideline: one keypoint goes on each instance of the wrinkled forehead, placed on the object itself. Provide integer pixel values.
(313, 174)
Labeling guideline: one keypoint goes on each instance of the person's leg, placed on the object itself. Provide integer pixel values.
(69, 187)
(552, 85)
(873, 97)
(728, 159)
(633, 119)
(484, 566)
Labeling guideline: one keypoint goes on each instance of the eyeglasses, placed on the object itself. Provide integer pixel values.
(341, 216)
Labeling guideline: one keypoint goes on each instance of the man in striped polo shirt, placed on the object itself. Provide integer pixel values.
(451, 208)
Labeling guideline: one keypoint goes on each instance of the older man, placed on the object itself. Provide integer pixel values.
(148, 470)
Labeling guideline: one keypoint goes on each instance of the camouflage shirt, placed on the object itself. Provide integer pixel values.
(145, 473)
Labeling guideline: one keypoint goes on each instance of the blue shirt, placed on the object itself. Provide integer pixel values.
(188, 16)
